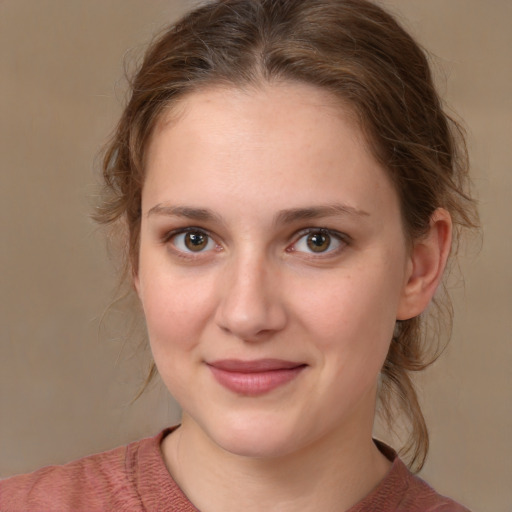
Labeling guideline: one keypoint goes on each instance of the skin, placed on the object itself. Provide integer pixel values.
(255, 172)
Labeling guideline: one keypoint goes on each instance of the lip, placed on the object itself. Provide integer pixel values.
(256, 377)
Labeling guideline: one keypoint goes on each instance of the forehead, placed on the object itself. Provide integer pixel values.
(277, 143)
(294, 107)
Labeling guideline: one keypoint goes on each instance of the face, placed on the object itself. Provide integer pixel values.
(272, 267)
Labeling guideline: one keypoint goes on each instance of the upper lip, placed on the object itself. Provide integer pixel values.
(254, 366)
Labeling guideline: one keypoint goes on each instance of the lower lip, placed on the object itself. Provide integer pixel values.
(255, 383)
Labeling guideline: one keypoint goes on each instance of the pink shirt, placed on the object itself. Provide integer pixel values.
(135, 478)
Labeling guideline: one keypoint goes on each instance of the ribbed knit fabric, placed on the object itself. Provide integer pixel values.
(135, 478)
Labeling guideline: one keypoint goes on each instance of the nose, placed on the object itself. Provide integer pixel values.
(251, 305)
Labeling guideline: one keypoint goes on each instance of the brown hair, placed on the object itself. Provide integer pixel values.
(359, 53)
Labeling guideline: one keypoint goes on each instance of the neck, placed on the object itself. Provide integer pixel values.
(333, 473)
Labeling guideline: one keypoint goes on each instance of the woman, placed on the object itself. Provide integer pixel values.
(289, 188)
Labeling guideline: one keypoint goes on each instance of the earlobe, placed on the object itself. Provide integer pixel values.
(426, 266)
(136, 282)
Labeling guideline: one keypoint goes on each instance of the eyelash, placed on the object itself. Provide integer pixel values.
(339, 238)
(189, 254)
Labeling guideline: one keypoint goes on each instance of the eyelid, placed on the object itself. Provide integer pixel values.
(342, 238)
(186, 229)
(169, 235)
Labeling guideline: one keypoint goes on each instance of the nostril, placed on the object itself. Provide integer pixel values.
(251, 322)
(250, 305)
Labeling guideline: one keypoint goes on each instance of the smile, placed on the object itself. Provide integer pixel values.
(252, 378)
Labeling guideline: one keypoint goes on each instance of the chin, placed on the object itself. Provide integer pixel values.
(257, 446)
(255, 437)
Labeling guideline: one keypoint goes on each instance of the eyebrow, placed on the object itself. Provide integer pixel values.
(283, 217)
(201, 214)
(316, 212)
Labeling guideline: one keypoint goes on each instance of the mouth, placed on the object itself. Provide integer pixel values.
(257, 377)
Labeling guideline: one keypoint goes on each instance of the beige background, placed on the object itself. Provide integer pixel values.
(65, 379)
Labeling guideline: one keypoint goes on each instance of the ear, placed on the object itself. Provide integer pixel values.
(135, 281)
(427, 262)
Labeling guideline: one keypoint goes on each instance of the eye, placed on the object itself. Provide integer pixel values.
(318, 241)
(192, 240)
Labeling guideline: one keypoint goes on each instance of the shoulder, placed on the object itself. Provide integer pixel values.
(107, 480)
(401, 491)
(422, 496)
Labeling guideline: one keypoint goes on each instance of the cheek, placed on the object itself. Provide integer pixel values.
(176, 311)
(175, 316)
(351, 317)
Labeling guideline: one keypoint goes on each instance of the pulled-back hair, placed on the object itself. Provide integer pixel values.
(361, 55)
